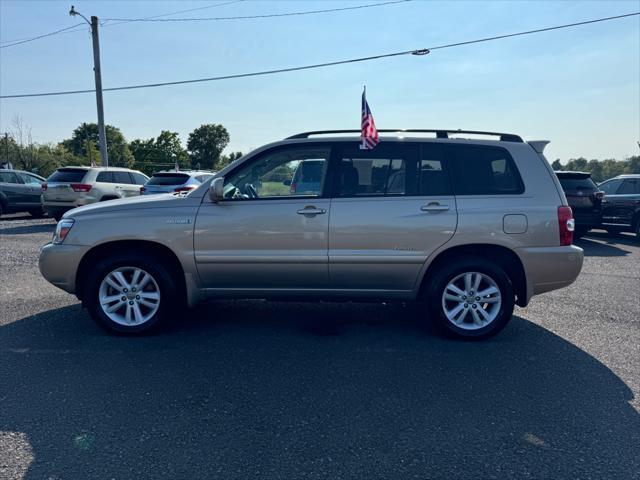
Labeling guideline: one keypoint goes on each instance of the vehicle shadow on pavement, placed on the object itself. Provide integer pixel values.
(26, 229)
(248, 389)
(594, 247)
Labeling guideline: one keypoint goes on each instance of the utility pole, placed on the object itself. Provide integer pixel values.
(102, 134)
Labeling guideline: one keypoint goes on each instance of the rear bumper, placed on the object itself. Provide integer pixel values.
(58, 264)
(550, 268)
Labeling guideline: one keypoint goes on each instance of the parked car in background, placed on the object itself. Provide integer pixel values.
(20, 192)
(306, 177)
(621, 206)
(174, 181)
(468, 227)
(71, 187)
(585, 200)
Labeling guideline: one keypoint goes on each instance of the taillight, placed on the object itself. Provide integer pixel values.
(566, 224)
(599, 195)
(293, 187)
(44, 187)
(80, 187)
(142, 190)
(185, 189)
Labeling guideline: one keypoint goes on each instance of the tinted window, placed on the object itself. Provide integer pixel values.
(610, 187)
(577, 184)
(138, 178)
(30, 179)
(630, 186)
(484, 171)
(121, 177)
(106, 177)
(381, 171)
(433, 178)
(67, 175)
(284, 172)
(168, 179)
(8, 177)
(203, 177)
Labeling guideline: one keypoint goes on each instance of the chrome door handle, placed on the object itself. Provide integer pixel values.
(434, 207)
(311, 211)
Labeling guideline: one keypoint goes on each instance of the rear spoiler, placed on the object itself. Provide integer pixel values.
(538, 145)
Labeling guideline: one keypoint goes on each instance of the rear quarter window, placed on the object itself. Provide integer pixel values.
(67, 175)
(480, 170)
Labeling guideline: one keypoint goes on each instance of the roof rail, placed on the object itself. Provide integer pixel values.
(440, 133)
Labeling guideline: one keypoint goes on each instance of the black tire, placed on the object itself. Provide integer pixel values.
(164, 278)
(1, 210)
(37, 213)
(438, 281)
(580, 232)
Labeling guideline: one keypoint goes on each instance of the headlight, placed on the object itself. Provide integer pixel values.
(62, 229)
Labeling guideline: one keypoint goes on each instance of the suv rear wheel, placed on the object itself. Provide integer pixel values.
(470, 298)
(129, 294)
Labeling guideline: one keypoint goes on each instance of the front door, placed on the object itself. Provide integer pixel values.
(269, 233)
(392, 207)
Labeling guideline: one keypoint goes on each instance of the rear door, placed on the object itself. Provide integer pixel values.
(391, 208)
(124, 184)
(33, 189)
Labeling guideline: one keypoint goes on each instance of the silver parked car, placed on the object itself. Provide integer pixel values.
(467, 227)
(174, 181)
(71, 187)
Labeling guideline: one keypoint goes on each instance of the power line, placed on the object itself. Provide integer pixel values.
(421, 51)
(251, 17)
(73, 29)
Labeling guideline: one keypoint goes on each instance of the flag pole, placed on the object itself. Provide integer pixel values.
(364, 100)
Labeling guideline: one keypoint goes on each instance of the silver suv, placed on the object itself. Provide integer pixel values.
(467, 227)
(71, 187)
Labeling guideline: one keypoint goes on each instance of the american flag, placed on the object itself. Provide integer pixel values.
(369, 134)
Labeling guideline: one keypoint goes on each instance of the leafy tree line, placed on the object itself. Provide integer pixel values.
(203, 150)
(601, 169)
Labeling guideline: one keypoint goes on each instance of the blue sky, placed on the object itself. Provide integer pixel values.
(578, 87)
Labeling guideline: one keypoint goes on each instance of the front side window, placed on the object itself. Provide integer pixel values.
(30, 179)
(610, 187)
(378, 172)
(293, 171)
(8, 177)
(479, 170)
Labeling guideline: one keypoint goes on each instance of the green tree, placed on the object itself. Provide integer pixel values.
(205, 145)
(86, 136)
(159, 153)
(227, 159)
(556, 165)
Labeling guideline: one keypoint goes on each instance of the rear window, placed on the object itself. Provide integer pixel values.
(64, 175)
(577, 183)
(484, 171)
(168, 179)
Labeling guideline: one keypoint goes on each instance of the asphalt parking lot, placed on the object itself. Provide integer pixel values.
(286, 390)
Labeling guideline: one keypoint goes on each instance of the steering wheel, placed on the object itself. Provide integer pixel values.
(251, 190)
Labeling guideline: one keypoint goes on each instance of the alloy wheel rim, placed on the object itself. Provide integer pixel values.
(471, 300)
(129, 296)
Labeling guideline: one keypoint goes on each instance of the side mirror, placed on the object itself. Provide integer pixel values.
(216, 190)
(287, 183)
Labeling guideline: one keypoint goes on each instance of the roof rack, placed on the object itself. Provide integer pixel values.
(440, 133)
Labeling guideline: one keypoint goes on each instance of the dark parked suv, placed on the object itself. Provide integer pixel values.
(20, 192)
(621, 206)
(585, 200)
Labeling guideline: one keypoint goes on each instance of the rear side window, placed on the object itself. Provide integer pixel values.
(382, 171)
(584, 183)
(479, 170)
(121, 177)
(630, 186)
(610, 187)
(105, 177)
(8, 177)
(67, 175)
(138, 178)
(168, 179)
(433, 178)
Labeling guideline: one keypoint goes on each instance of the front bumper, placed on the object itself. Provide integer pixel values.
(550, 268)
(59, 264)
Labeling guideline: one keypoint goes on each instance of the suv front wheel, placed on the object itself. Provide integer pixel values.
(470, 297)
(130, 294)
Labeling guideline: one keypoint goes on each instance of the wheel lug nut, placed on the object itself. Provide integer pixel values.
(133, 289)
(466, 305)
(474, 306)
(137, 297)
(477, 299)
(125, 290)
(464, 297)
(131, 302)
(124, 298)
